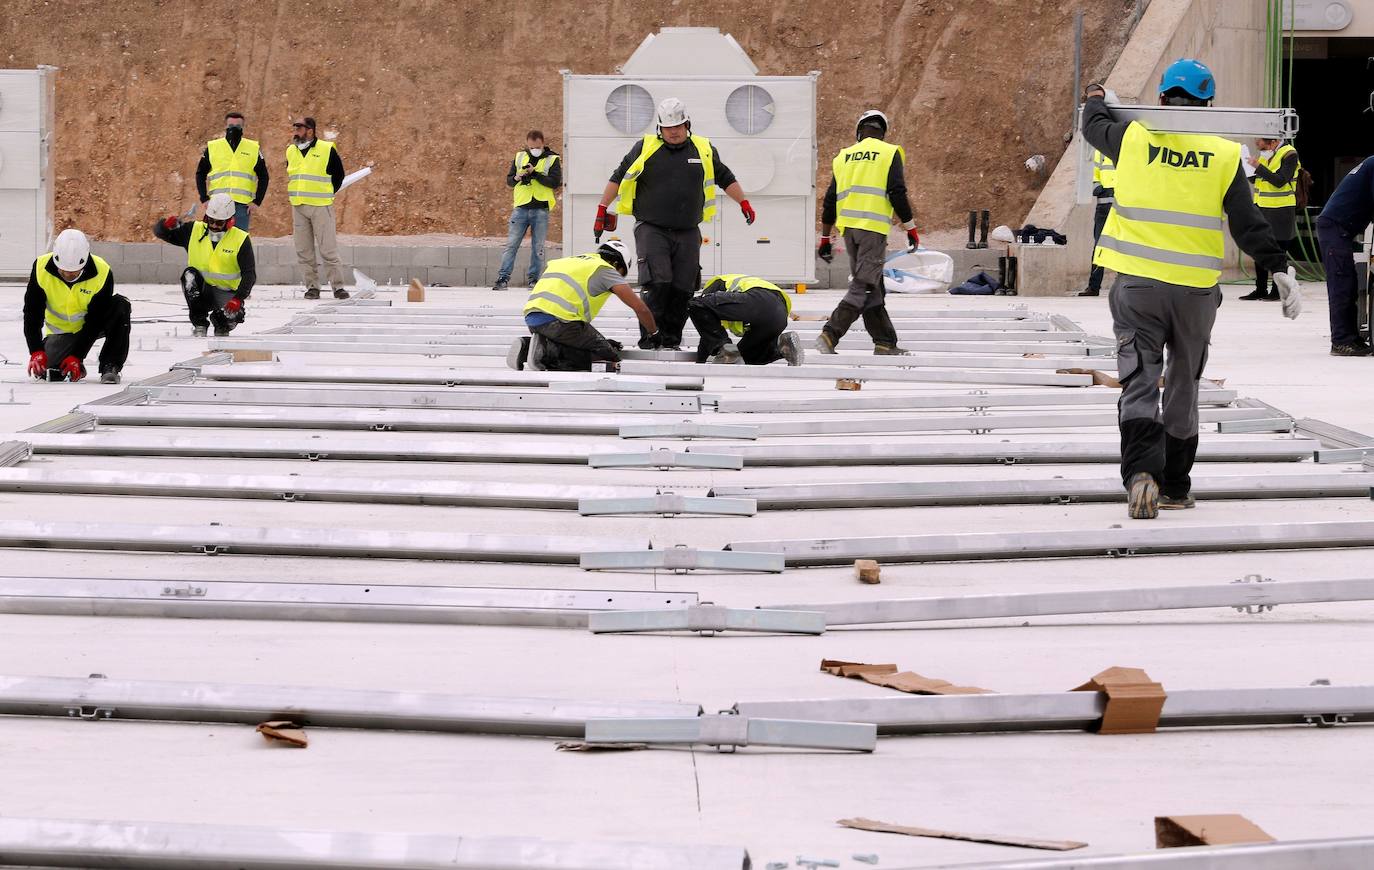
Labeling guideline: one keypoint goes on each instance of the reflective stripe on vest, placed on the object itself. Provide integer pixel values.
(231, 170)
(630, 183)
(562, 290)
(1167, 220)
(741, 283)
(534, 189)
(1104, 170)
(218, 264)
(67, 303)
(307, 175)
(861, 172)
(1268, 195)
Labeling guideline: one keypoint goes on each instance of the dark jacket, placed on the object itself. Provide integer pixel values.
(553, 179)
(180, 235)
(203, 172)
(1352, 203)
(36, 303)
(896, 194)
(1288, 167)
(669, 192)
(1248, 226)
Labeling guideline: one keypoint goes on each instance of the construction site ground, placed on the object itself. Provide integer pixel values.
(1296, 783)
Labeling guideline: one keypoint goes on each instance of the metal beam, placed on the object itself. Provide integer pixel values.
(830, 373)
(681, 559)
(401, 317)
(666, 504)
(709, 619)
(665, 458)
(13, 453)
(492, 312)
(76, 421)
(323, 602)
(278, 541)
(1352, 853)
(451, 399)
(979, 452)
(341, 344)
(973, 399)
(690, 429)
(1212, 120)
(1137, 540)
(727, 731)
(422, 375)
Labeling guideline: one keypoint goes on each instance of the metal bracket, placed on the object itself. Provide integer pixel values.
(727, 731)
(707, 619)
(681, 559)
(689, 430)
(668, 504)
(187, 591)
(664, 458)
(1328, 720)
(1253, 609)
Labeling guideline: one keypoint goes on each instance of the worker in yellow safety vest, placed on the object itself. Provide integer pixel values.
(1276, 172)
(70, 303)
(867, 194)
(1104, 180)
(534, 177)
(220, 267)
(755, 310)
(314, 174)
(233, 164)
(1164, 240)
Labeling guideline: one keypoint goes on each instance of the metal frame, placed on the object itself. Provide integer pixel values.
(876, 373)
(76, 421)
(681, 559)
(666, 504)
(664, 458)
(726, 731)
(1350, 853)
(493, 312)
(450, 399)
(441, 377)
(709, 619)
(14, 452)
(1133, 541)
(973, 399)
(403, 317)
(985, 452)
(342, 344)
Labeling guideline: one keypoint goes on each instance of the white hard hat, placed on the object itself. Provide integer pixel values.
(71, 250)
(672, 112)
(872, 116)
(220, 207)
(614, 249)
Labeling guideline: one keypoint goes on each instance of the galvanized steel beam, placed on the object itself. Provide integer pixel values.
(727, 731)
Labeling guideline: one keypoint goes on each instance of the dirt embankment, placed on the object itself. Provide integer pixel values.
(437, 94)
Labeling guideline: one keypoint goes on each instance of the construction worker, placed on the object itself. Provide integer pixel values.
(1104, 174)
(535, 175)
(755, 310)
(1164, 240)
(668, 182)
(1276, 193)
(1340, 228)
(234, 165)
(562, 305)
(71, 294)
(220, 267)
(314, 173)
(867, 191)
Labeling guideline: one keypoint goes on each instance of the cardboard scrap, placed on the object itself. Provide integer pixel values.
(854, 669)
(1100, 379)
(993, 839)
(867, 571)
(1219, 830)
(1134, 701)
(285, 732)
(416, 291)
(849, 384)
(889, 677)
(580, 746)
(246, 356)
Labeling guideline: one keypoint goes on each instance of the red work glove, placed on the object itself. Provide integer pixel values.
(913, 240)
(38, 364)
(748, 211)
(73, 369)
(233, 306)
(170, 222)
(825, 250)
(605, 222)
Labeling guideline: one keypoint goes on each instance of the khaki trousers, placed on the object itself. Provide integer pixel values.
(314, 225)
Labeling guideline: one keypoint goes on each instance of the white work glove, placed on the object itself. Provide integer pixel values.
(1287, 282)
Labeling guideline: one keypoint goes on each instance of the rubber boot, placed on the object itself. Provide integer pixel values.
(972, 228)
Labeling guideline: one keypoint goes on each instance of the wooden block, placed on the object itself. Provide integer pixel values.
(416, 291)
(849, 384)
(867, 571)
(1172, 832)
(246, 356)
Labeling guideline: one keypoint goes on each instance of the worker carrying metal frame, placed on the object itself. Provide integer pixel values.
(754, 310)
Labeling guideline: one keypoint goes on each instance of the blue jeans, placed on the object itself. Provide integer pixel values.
(536, 220)
(241, 215)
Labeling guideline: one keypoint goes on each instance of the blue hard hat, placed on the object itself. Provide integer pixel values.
(1192, 76)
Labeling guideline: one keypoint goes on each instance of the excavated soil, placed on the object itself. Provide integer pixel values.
(437, 95)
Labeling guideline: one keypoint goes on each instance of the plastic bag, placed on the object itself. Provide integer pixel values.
(919, 271)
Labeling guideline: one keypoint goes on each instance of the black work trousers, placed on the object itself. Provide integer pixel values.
(205, 302)
(114, 328)
(762, 311)
(573, 345)
(867, 297)
(670, 272)
(1100, 215)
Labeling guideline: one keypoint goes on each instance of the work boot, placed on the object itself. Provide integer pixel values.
(1142, 496)
(726, 356)
(312, 293)
(824, 344)
(1254, 295)
(501, 284)
(1354, 348)
(109, 375)
(1170, 503)
(790, 346)
(534, 358)
(1272, 295)
(223, 329)
(1089, 291)
(890, 350)
(519, 352)
(199, 331)
(340, 293)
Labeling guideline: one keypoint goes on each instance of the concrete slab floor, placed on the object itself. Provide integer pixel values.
(1295, 783)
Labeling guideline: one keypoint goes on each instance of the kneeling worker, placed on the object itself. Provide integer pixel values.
(752, 308)
(562, 305)
(220, 267)
(71, 292)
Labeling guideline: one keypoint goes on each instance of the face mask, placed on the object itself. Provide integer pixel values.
(535, 152)
(215, 237)
(304, 144)
(233, 133)
(1267, 153)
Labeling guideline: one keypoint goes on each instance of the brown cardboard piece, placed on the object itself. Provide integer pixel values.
(849, 384)
(1225, 829)
(580, 746)
(247, 356)
(994, 839)
(416, 291)
(1100, 379)
(889, 677)
(868, 571)
(1134, 701)
(284, 732)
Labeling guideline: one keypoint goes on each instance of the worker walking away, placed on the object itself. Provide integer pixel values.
(71, 297)
(535, 175)
(234, 165)
(1164, 240)
(1340, 228)
(562, 305)
(867, 192)
(668, 182)
(755, 310)
(220, 267)
(1276, 193)
(314, 173)
(1104, 178)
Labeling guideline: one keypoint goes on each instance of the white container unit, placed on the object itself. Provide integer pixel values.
(26, 176)
(763, 126)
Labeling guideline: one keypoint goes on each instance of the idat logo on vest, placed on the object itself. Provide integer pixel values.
(860, 155)
(1180, 159)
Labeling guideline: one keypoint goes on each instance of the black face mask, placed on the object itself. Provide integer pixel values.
(234, 134)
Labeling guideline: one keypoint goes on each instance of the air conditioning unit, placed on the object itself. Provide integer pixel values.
(26, 176)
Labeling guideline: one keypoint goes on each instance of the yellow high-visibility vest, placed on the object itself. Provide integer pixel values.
(218, 264)
(1104, 170)
(1268, 195)
(740, 283)
(1167, 220)
(630, 182)
(861, 185)
(535, 189)
(231, 170)
(67, 303)
(563, 289)
(307, 175)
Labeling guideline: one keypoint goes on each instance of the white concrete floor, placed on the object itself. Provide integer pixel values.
(1295, 783)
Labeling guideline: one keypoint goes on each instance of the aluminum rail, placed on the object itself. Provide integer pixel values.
(817, 316)
(726, 731)
(1213, 120)
(341, 344)
(452, 399)
(515, 319)
(1133, 541)
(1066, 711)
(1251, 595)
(323, 602)
(979, 452)
(277, 541)
(443, 377)
(682, 559)
(1058, 490)
(1348, 853)
(100, 699)
(973, 399)
(875, 373)
(709, 619)
(13, 453)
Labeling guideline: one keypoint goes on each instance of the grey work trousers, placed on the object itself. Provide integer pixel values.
(867, 295)
(670, 272)
(1150, 317)
(313, 225)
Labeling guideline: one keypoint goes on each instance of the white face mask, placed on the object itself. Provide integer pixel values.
(304, 145)
(535, 152)
(215, 237)
(1267, 153)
